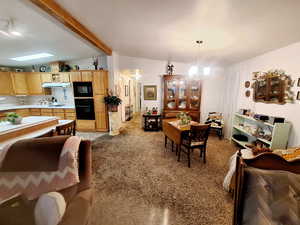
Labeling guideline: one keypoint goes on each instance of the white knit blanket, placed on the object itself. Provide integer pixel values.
(246, 154)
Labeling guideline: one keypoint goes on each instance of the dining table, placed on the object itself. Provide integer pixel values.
(174, 131)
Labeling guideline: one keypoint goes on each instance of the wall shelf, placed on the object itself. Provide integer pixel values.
(280, 132)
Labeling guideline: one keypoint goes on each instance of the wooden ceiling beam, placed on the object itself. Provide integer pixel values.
(60, 14)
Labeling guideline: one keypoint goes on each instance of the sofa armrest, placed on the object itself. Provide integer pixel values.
(42, 154)
(85, 165)
(78, 210)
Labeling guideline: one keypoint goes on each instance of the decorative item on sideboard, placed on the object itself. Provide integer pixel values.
(95, 62)
(170, 68)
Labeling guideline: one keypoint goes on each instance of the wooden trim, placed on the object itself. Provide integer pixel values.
(59, 13)
(26, 130)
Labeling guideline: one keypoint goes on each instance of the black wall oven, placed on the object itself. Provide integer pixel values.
(85, 109)
(83, 89)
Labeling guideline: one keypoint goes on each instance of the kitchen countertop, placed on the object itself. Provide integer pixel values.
(6, 127)
(4, 108)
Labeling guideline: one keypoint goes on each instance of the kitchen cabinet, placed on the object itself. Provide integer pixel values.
(64, 77)
(55, 77)
(34, 84)
(85, 125)
(75, 76)
(35, 112)
(101, 121)
(100, 82)
(6, 85)
(46, 77)
(46, 112)
(19, 83)
(86, 76)
(23, 112)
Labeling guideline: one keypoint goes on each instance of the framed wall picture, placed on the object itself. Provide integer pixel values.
(298, 95)
(150, 92)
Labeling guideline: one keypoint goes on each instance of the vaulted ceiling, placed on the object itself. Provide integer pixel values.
(40, 33)
(232, 30)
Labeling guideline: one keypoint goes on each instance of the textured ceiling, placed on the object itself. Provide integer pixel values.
(232, 30)
(40, 34)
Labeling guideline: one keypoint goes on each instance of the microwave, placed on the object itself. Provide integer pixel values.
(83, 89)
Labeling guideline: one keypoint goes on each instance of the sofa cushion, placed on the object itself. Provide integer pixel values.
(33, 184)
(49, 209)
(271, 197)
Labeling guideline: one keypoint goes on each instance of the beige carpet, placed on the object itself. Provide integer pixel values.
(138, 183)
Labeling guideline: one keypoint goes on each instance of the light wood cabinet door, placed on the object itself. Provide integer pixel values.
(75, 76)
(86, 76)
(85, 125)
(99, 104)
(64, 77)
(34, 84)
(100, 82)
(46, 77)
(19, 83)
(35, 112)
(101, 121)
(6, 85)
(23, 112)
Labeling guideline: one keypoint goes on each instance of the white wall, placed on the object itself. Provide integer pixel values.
(285, 58)
(152, 72)
(87, 64)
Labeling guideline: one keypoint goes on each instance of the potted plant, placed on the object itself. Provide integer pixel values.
(13, 118)
(112, 101)
(184, 119)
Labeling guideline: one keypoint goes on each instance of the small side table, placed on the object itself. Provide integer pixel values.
(152, 122)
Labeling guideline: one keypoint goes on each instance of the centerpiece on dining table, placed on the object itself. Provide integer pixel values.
(184, 120)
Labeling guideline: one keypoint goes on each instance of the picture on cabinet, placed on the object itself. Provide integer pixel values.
(150, 92)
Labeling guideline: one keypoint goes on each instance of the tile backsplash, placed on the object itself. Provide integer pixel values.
(63, 95)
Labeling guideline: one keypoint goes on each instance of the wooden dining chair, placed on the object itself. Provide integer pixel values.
(67, 129)
(195, 138)
(49, 133)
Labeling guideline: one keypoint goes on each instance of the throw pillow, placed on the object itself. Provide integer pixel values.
(49, 209)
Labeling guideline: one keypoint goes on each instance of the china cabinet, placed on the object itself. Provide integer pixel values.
(181, 94)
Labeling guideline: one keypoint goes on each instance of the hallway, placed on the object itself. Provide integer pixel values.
(138, 182)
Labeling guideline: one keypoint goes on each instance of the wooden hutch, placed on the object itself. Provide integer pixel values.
(181, 95)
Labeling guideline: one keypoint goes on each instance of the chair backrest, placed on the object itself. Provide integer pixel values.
(49, 133)
(200, 132)
(67, 129)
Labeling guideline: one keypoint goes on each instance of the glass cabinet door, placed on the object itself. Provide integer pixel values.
(194, 95)
(171, 94)
(182, 94)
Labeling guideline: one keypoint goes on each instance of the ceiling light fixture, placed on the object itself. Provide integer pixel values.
(31, 57)
(193, 71)
(206, 71)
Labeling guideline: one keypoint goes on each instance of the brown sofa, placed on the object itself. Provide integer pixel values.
(42, 154)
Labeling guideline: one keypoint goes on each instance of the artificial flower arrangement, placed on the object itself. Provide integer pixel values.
(184, 119)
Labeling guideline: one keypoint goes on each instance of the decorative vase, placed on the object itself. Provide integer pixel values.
(16, 121)
(113, 108)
